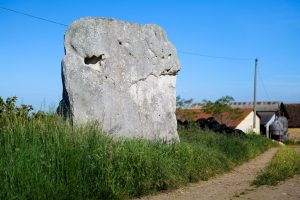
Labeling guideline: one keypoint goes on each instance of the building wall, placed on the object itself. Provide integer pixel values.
(247, 124)
(294, 134)
(268, 126)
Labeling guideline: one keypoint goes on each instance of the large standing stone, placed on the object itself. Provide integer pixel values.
(122, 75)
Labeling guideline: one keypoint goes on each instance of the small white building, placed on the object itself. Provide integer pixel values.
(246, 123)
(268, 111)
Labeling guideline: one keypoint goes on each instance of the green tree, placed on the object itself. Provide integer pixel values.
(10, 112)
(221, 110)
(183, 103)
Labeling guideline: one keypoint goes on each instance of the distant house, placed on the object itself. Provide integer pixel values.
(244, 122)
(293, 111)
(268, 111)
(266, 119)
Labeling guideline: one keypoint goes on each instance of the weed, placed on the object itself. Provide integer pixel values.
(284, 164)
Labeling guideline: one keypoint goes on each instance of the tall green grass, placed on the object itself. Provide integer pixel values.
(285, 164)
(45, 158)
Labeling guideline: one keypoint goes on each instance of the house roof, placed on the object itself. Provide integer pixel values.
(260, 106)
(195, 114)
(265, 117)
(264, 106)
(293, 111)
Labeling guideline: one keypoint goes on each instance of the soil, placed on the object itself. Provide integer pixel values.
(236, 184)
(289, 189)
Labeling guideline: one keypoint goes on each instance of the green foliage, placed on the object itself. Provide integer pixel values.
(292, 142)
(9, 112)
(44, 157)
(183, 103)
(285, 164)
(8, 108)
(237, 148)
(220, 109)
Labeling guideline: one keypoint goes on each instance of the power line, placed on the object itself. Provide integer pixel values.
(181, 52)
(32, 16)
(263, 86)
(210, 56)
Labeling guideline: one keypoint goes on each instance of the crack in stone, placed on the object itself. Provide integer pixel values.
(166, 72)
(144, 78)
(74, 49)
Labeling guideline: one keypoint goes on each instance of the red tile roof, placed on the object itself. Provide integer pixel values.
(195, 114)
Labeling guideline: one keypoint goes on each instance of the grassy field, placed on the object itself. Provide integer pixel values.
(285, 164)
(43, 157)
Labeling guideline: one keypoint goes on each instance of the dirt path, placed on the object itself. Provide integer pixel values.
(298, 150)
(289, 189)
(227, 186)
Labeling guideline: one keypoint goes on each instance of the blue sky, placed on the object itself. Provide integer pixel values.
(31, 50)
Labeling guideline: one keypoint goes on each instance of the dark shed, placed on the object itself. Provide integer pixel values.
(293, 111)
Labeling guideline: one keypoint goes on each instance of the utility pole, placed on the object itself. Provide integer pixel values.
(254, 96)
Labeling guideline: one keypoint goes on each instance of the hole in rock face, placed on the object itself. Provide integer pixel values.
(94, 59)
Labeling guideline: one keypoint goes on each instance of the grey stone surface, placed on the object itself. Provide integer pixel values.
(122, 75)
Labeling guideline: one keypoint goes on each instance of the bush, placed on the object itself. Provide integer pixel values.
(238, 148)
(9, 112)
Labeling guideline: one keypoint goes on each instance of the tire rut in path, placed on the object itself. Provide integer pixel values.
(224, 186)
(287, 190)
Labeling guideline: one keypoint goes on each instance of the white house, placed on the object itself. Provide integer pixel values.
(246, 123)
